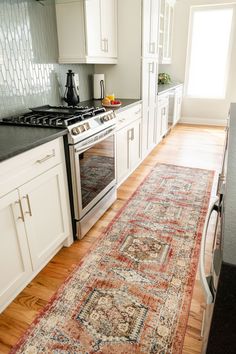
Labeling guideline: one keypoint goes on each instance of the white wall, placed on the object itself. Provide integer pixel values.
(206, 111)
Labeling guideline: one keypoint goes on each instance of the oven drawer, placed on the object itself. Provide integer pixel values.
(24, 167)
(128, 116)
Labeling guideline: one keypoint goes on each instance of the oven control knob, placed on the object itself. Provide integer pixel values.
(104, 119)
(74, 131)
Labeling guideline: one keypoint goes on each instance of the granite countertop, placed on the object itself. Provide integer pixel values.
(162, 88)
(16, 139)
(126, 103)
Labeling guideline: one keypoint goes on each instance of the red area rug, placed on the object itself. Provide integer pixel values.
(132, 293)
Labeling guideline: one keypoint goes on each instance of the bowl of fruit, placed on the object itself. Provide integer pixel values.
(110, 101)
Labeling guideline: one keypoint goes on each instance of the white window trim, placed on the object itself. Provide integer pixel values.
(189, 48)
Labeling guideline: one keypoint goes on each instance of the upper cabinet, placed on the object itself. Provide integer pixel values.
(166, 18)
(87, 31)
(150, 28)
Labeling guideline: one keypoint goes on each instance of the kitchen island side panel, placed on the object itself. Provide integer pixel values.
(229, 232)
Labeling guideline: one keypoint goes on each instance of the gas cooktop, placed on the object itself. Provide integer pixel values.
(54, 116)
(81, 122)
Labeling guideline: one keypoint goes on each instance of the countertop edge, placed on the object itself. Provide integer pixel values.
(120, 109)
(169, 88)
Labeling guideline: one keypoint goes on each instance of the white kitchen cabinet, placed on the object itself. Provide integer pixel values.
(163, 113)
(87, 31)
(34, 215)
(149, 94)
(150, 28)
(166, 19)
(15, 261)
(128, 142)
(46, 222)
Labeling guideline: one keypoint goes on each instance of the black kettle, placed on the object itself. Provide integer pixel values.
(71, 96)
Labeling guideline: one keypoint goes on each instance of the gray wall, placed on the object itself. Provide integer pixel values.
(29, 73)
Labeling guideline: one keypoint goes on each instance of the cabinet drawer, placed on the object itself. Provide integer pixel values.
(23, 167)
(163, 100)
(129, 115)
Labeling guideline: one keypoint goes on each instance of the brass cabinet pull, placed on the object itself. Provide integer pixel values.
(47, 157)
(21, 211)
(29, 206)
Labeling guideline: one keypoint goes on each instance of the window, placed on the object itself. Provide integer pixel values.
(209, 51)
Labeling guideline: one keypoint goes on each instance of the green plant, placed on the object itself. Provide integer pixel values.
(164, 78)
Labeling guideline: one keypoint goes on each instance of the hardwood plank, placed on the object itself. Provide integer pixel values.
(193, 146)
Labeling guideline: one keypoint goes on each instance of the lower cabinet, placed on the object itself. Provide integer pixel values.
(34, 217)
(128, 142)
(15, 263)
(46, 222)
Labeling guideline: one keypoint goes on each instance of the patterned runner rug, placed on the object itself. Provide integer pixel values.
(132, 293)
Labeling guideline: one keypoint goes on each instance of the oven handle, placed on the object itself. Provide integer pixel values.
(203, 277)
(104, 136)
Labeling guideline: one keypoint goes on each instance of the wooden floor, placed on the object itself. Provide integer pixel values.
(193, 146)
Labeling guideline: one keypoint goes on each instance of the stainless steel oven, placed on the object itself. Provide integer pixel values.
(90, 156)
(93, 178)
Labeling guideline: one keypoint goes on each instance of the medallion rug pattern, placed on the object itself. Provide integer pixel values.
(132, 293)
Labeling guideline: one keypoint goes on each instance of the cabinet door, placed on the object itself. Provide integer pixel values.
(146, 27)
(166, 19)
(70, 31)
(15, 262)
(150, 28)
(134, 146)
(178, 105)
(109, 27)
(154, 27)
(157, 126)
(45, 211)
(122, 154)
(163, 113)
(95, 43)
(149, 93)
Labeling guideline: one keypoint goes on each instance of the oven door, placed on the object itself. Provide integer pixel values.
(93, 170)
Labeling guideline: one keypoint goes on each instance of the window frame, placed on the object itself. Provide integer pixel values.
(209, 7)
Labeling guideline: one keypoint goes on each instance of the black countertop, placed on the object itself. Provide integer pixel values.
(126, 103)
(16, 139)
(162, 88)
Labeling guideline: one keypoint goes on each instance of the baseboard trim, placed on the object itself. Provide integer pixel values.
(203, 121)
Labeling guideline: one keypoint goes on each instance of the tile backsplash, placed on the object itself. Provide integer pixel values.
(29, 73)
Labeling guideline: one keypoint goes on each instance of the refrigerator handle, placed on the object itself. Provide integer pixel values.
(203, 277)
